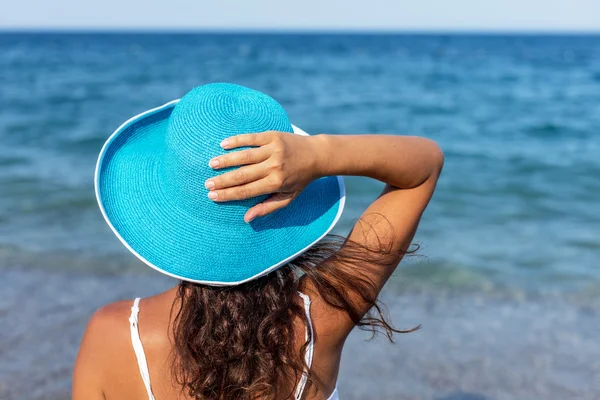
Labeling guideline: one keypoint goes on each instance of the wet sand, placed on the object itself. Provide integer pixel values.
(471, 347)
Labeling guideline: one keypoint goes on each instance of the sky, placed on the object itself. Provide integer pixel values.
(344, 15)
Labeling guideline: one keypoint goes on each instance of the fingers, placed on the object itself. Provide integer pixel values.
(236, 158)
(243, 192)
(247, 139)
(272, 204)
(240, 176)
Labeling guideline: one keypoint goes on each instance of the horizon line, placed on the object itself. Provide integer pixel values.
(292, 31)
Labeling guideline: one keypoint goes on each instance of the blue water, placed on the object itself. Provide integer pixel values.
(517, 116)
(517, 209)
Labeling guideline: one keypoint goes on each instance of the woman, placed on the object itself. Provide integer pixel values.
(264, 303)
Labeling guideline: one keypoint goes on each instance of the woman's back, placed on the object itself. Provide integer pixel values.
(121, 372)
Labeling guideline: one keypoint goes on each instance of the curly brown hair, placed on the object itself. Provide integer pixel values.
(238, 342)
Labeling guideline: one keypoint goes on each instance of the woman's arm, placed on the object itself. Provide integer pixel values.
(404, 162)
(283, 164)
(410, 166)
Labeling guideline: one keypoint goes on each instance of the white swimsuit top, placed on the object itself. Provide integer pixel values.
(143, 365)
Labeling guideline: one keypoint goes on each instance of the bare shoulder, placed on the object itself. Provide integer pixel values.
(107, 331)
(110, 322)
(104, 346)
(112, 311)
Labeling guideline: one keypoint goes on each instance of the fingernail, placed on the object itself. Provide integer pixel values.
(209, 184)
(212, 195)
(249, 218)
(214, 163)
(224, 143)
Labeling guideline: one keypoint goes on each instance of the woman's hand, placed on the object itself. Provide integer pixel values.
(280, 163)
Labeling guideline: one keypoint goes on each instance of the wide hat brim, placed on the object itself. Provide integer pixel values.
(196, 247)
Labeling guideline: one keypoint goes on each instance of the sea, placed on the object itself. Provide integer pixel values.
(506, 283)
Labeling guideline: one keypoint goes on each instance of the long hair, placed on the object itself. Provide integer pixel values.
(239, 342)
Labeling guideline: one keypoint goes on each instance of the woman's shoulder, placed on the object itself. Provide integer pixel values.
(111, 311)
(116, 315)
(104, 350)
(111, 317)
(108, 328)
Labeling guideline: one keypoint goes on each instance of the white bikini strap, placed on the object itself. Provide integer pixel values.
(138, 348)
(309, 350)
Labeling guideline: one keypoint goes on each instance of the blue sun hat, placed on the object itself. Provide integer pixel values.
(150, 188)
